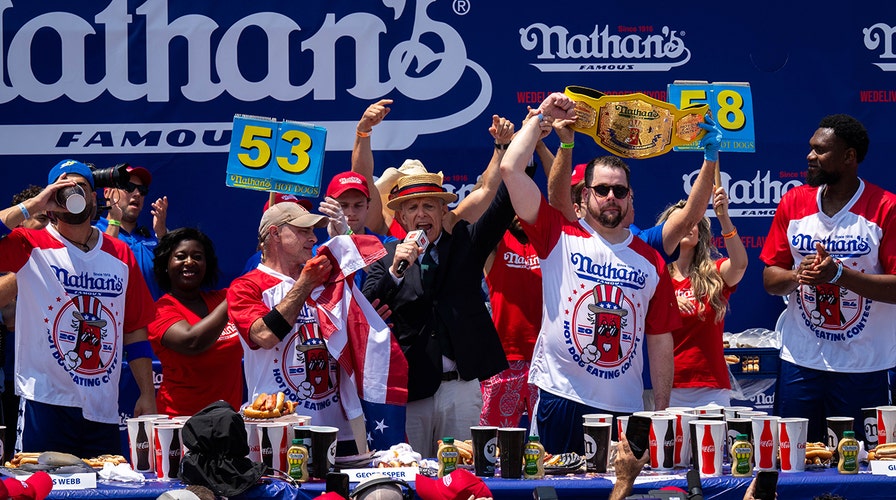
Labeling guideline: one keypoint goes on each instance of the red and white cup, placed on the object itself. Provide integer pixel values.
(765, 442)
(710, 436)
(168, 449)
(272, 441)
(252, 438)
(710, 409)
(734, 411)
(886, 424)
(594, 418)
(140, 440)
(662, 442)
(682, 435)
(792, 434)
(621, 424)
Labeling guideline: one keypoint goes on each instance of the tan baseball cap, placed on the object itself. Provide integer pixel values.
(288, 213)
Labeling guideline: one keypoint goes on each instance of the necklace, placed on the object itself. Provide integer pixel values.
(83, 246)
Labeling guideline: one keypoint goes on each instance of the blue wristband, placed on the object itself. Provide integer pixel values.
(137, 350)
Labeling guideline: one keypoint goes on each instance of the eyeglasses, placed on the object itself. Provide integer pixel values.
(603, 190)
(130, 187)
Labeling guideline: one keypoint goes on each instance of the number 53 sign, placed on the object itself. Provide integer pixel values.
(732, 108)
(267, 155)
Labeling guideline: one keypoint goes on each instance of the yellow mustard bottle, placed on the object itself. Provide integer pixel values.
(533, 459)
(742, 456)
(848, 449)
(297, 459)
(447, 456)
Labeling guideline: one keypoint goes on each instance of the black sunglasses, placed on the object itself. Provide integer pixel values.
(603, 190)
(130, 187)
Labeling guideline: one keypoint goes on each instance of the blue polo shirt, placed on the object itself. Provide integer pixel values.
(143, 247)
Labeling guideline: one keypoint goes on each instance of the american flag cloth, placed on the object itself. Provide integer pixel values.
(360, 340)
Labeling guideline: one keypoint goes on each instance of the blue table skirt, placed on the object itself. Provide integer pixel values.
(797, 486)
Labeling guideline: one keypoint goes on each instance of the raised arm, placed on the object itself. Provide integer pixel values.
(733, 269)
(362, 161)
(475, 203)
(681, 221)
(45, 201)
(524, 193)
(561, 171)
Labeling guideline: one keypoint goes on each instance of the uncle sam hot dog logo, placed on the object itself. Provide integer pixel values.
(85, 338)
(603, 336)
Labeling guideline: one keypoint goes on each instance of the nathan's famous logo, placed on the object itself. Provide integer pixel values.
(85, 338)
(628, 112)
(638, 48)
(842, 247)
(96, 51)
(307, 374)
(881, 36)
(749, 197)
(89, 283)
(600, 334)
(612, 273)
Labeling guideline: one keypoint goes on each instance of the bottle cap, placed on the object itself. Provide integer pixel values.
(448, 440)
(296, 441)
(741, 437)
(849, 434)
(533, 438)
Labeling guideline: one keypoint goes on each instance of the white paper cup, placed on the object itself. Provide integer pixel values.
(711, 409)
(734, 411)
(168, 449)
(683, 439)
(765, 441)
(710, 438)
(792, 433)
(140, 440)
(252, 438)
(886, 424)
(662, 442)
(621, 424)
(272, 438)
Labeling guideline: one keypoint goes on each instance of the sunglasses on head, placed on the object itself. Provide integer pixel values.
(130, 187)
(603, 190)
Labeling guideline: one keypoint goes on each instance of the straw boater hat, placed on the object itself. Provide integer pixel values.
(420, 186)
(388, 182)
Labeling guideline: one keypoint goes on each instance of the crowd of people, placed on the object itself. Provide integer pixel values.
(626, 319)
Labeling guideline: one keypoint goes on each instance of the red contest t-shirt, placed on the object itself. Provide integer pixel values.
(699, 355)
(192, 382)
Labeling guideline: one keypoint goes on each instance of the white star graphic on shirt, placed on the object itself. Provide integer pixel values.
(381, 426)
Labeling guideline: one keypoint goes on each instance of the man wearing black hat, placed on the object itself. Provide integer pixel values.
(439, 317)
(82, 308)
(125, 205)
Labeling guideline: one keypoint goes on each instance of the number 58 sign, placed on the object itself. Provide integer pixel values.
(731, 105)
(267, 155)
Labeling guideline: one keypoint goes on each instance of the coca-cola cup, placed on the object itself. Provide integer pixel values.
(485, 449)
(886, 424)
(734, 411)
(140, 442)
(252, 438)
(751, 414)
(511, 441)
(683, 418)
(710, 438)
(765, 441)
(792, 433)
(272, 442)
(869, 422)
(836, 427)
(739, 426)
(168, 449)
(597, 445)
(662, 442)
(323, 446)
(710, 409)
(695, 447)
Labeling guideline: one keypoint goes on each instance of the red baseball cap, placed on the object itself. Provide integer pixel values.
(458, 485)
(345, 181)
(280, 198)
(142, 174)
(36, 487)
(578, 174)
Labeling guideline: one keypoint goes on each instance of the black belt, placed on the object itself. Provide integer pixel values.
(449, 376)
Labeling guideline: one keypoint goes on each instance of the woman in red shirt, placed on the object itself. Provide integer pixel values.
(192, 336)
(703, 282)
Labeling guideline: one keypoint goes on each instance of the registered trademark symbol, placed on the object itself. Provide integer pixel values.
(461, 7)
(683, 33)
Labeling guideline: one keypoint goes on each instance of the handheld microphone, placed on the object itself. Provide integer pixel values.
(417, 236)
(695, 489)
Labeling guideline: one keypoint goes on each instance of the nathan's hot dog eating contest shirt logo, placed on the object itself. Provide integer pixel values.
(307, 373)
(602, 338)
(83, 340)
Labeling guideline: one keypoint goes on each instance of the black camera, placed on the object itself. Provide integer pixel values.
(111, 177)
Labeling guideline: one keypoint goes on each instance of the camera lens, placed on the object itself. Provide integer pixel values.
(112, 177)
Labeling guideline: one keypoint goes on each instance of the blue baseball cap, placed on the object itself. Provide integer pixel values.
(70, 167)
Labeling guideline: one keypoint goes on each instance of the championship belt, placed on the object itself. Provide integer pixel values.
(634, 125)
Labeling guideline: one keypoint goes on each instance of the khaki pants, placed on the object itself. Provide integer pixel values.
(451, 411)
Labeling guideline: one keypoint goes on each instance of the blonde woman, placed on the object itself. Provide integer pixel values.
(703, 282)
